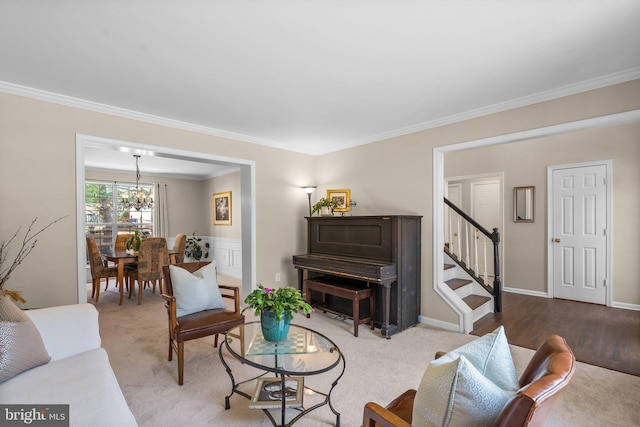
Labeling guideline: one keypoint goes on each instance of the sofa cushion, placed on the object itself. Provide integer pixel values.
(21, 346)
(67, 330)
(491, 355)
(455, 393)
(195, 291)
(85, 382)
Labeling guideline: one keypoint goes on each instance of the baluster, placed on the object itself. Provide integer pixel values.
(450, 229)
(475, 251)
(458, 235)
(466, 259)
(484, 255)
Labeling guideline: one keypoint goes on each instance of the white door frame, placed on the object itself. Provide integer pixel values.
(608, 164)
(248, 200)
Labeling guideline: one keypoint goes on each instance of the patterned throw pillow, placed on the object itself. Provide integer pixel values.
(195, 291)
(467, 386)
(21, 346)
(490, 354)
(457, 394)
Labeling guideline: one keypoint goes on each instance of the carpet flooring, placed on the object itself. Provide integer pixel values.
(377, 369)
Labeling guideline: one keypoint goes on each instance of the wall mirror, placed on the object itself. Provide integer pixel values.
(523, 204)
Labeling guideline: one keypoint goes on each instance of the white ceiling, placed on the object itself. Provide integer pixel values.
(314, 76)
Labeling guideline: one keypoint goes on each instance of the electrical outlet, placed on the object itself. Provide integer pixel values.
(277, 277)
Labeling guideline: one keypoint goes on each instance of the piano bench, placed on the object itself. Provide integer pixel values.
(355, 293)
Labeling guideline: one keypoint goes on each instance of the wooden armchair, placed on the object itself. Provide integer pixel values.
(548, 371)
(199, 324)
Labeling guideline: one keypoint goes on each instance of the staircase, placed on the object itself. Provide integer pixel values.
(467, 288)
(472, 282)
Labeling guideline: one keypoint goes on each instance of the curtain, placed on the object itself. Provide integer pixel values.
(160, 211)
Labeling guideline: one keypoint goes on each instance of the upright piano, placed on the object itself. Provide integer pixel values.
(380, 251)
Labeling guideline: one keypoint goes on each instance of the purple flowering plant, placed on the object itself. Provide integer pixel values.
(282, 300)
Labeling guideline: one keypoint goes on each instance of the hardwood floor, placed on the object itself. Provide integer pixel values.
(598, 335)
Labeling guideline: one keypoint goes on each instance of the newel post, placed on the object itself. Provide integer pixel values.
(497, 283)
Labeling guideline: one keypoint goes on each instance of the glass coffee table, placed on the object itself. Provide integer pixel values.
(283, 366)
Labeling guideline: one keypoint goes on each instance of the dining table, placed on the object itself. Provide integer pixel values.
(120, 258)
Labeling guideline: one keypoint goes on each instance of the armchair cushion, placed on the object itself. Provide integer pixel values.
(456, 393)
(472, 382)
(195, 291)
(21, 346)
(490, 354)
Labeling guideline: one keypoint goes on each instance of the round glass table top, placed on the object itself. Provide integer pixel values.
(303, 352)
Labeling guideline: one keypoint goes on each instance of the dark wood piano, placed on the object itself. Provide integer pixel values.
(380, 251)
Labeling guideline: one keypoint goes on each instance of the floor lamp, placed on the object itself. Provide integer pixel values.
(309, 189)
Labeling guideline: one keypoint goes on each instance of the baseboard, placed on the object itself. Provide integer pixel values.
(454, 327)
(623, 305)
(626, 306)
(526, 292)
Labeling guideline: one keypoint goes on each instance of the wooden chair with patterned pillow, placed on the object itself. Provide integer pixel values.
(153, 255)
(195, 306)
(547, 373)
(98, 270)
(179, 246)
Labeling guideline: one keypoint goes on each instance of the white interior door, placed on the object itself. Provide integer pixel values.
(486, 208)
(579, 209)
(454, 195)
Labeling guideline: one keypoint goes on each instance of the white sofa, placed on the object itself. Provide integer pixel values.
(79, 373)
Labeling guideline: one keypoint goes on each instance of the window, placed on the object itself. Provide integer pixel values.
(103, 221)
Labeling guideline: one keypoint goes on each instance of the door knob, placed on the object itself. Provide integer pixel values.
(557, 240)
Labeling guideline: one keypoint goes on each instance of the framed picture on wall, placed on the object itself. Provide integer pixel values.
(342, 197)
(222, 208)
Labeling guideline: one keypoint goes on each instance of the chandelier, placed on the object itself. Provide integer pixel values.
(137, 198)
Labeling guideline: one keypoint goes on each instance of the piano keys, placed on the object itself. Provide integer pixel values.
(381, 251)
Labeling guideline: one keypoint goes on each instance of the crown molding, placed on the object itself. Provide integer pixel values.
(572, 89)
(69, 101)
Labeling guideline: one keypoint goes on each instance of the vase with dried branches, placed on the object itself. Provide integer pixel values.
(28, 244)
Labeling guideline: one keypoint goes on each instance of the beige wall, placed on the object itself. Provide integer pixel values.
(525, 163)
(387, 177)
(37, 178)
(395, 176)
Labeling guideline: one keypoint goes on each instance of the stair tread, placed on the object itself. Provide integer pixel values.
(475, 301)
(457, 283)
(448, 266)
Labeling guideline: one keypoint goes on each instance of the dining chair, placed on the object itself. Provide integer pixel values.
(120, 245)
(179, 246)
(153, 255)
(121, 242)
(98, 270)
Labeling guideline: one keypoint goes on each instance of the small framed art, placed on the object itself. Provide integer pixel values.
(222, 208)
(343, 198)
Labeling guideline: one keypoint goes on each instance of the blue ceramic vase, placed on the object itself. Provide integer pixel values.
(272, 329)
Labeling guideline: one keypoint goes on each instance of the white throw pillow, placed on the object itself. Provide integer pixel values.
(195, 291)
(455, 393)
(490, 354)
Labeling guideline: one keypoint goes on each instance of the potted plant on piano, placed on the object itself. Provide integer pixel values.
(275, 308)
(325, 206)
